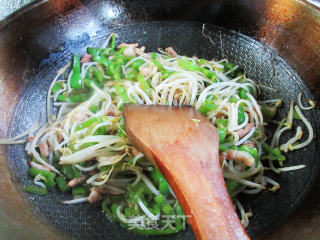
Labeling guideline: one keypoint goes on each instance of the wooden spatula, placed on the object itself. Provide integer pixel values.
(184, 146)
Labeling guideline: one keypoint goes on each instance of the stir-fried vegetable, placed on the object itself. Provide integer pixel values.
(272, 153)
(76, 81)
(35, 189)
(62, 184)
(86, 149)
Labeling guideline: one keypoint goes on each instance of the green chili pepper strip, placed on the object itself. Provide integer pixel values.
(79, 98)
(228, 139)
(134, 196)
(233, 100)
(243, 94)
(164, 187)
(241, 115)
(114, 212)
(82, 190)
(159, 199)
(94, 51)
(115, 70)
(153, 55)
(208, 106)
(167, 209)
(93, 108)
(209, 74)
(101, 51)
(228, 65)
(231, 185)
(86, 123)
(100, 131)
(252, 151)
(97, 74)
(70, 171)
(88, 81)
(49, 176)
(62, 184)
(157, 64)
(132, 75)
(137, 64)
(188, 65)
(121, 91)
(104, 61)
(76, 98)
(128, 212)
(221, 121)
(34, 172)
(91, 123)
(155, 210)
(160, 181)
(108, 211)
(250, 90)
(155, 176)
(273, 153)
(50, 182)
(166, 74)
(268, 149)
(222, 131)
(56, 87)
(121, 130)
(223, 148)
(35, 189)
(143, 83)
(75, 81)
(137, 192)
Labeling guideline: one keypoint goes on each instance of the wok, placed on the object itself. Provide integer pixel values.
(275, 42)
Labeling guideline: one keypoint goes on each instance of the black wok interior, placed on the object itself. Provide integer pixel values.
(85, 221)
